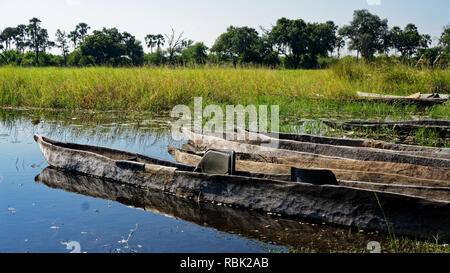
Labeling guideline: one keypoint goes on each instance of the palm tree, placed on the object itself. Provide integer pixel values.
(340, 43)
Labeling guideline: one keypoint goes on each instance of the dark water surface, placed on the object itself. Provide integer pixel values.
(43, 209)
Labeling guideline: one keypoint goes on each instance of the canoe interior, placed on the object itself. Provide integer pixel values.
(433, 190)
(120, 155)
(441, 152)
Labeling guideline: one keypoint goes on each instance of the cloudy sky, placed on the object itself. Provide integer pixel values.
(205, 20)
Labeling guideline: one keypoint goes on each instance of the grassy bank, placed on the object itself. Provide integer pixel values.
(298, 92)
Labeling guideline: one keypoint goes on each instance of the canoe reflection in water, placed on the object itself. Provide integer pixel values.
(251, 224)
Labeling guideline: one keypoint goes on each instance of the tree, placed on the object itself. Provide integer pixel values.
(408, 41)
(290, 39)
(396, 37)
(238, 44)
(321, 39)
(82, 29)
(133, 48)
(195, 53)
(150, 41)
(301, 42)
(61, 42)
(110, 47)
(74, 36)
(340, 44)
(154, 40)
(160, 41)
(267, 54)
(20, 38)
(44, 41)
(78, 35)
(8, 35)
(444, 40)
(37, 37)
(175, 45)
(368, 34)
(156, 58)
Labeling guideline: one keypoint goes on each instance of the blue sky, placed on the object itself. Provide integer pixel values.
(205, 20)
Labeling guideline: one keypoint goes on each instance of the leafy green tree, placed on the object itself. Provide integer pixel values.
(12, 57)
(444, 40)
(74, 37)
(110, 47)
(195, 53)
(368, 34)
(301, 42)
(61, 42)
(238, 44)
(20, 38)
(44, 41)
(82, 29)
(156, 58)
(395, 38)
(78, 35)
(133, 48)
(105, 47)
(340, 44)
(321, 40)
(408, 41)
(150, 41)
(29, 59)
(7, 36)
(37, 38)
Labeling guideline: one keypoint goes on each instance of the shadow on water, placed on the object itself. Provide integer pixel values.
(250, 224)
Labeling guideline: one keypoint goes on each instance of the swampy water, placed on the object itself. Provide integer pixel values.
(46, 210)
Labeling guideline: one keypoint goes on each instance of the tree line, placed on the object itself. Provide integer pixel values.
(288, 43)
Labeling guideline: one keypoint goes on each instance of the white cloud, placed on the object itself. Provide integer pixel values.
(73, 2)
(373, 2)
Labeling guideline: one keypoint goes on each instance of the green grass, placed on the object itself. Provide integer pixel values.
(296, 91)
(310, 94)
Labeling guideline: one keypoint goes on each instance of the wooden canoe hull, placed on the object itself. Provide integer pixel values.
(419, 99)
(433, 190)
(410, 149)
(440, 127)
(356, 153)
(340, 205)
(312, 160)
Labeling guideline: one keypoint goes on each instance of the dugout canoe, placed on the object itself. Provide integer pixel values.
(418, 98)
(313, 159)
(350, 142)
(440, 127)
(341, 205)
(424, 158)
(428, 189)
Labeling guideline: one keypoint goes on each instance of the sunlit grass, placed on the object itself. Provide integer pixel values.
(298, 92)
